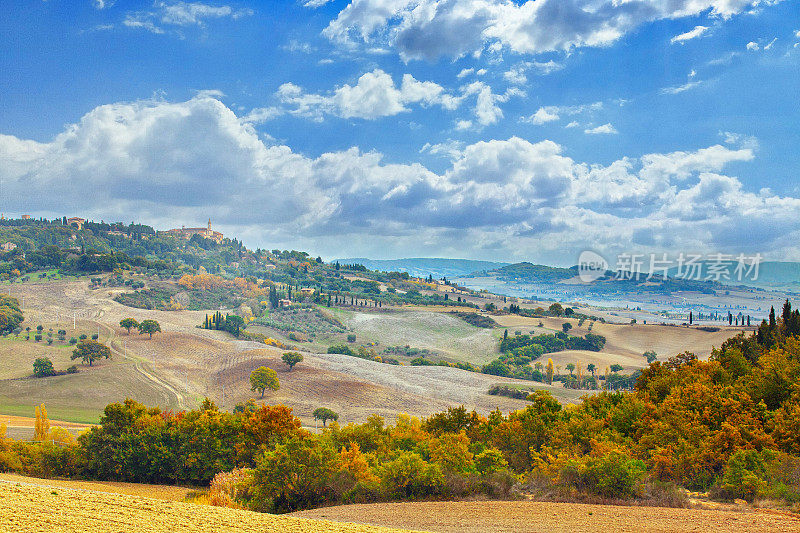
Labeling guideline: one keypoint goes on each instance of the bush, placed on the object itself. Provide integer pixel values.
(73, 340)
(351, 337)
(409, 476)
(72, 369)
(228, 489)
(341, 349)
(615, 475)
(43, 367)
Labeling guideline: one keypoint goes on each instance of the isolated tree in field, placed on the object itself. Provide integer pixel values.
(570, 367)
(263, 378)
(550, 370)
(556, 309)
(650, 355)
(566, 326)
(591, 368)
(291, 359)
(325, 414)
(616, 367)
(89, 351)
(43, 367)
(129, 323)
(149, 327)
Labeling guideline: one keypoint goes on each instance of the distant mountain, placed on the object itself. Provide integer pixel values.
(424, 266)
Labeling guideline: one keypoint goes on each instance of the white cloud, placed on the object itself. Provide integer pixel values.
(605, 129)
(552, 113)
(427, 29)
(172, 163)
(450, 149)
(689, 35)
(753, 46)
(315, 3)
(465, 72)
(180, 14)
(374, 95)
(543, 115)
(102, 4)
(573, 124)
(682, 88)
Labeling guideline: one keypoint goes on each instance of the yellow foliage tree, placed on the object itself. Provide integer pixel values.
(550, 370)
(41, 430)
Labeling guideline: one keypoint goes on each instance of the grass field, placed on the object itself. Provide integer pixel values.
(37, 507)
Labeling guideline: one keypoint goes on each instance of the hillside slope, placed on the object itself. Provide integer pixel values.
(34, 508)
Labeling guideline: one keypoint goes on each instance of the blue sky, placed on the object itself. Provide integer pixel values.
(487, 129)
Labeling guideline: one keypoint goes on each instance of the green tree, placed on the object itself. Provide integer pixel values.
(566, 326)
(89, 351)
(571, 368)
(149, 327)
(616, 367)
(650, 355)
(591, 367)
(263, 378)
(325, 414)
(291, 359)
(129, 323)
(43, 367)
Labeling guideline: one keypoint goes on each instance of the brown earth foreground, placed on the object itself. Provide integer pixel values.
(527, 516)
(34, 508)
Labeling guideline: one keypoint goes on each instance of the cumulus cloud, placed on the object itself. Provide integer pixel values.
(689, 35)
(374, 95)
(544, 115)
(315, 3)
(428, 29)
(605, 129)
(170, 163)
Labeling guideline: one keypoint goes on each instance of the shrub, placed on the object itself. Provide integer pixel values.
(72, 369)
(341, 349)
(73, 340)
(351, 337)
(614, 475)
(421, 361)
(228, 489)
(410, 476)
(43, 367)
(294, 475)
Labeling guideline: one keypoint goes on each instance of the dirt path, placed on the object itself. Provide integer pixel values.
(524, 516)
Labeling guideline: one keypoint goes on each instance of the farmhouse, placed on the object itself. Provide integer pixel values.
(187, 233)
(76, 221)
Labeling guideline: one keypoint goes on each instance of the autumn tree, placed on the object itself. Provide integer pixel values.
(89, 351)
(291, 359)
(550, 371)
(149, 327)
(42, 425)
(129, 323)
(325, 414)
(263, 378)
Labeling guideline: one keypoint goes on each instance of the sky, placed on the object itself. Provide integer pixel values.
(485, 129)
